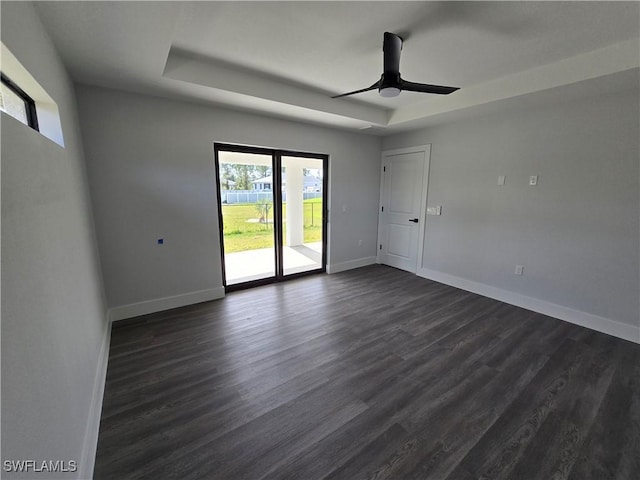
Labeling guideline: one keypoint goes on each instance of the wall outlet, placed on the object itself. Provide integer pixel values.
(359, 243)
(519, 270)
(533, 180)
(501, 180)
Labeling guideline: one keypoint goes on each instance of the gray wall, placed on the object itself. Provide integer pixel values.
(576, 233)
(53, 313)
(151, 170)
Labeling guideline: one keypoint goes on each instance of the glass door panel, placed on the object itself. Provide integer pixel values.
(246, 195)
(302, 184)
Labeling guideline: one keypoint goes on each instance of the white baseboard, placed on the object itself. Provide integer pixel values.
(577, 317)
(90, 444)
(166, 303)
(351, 264)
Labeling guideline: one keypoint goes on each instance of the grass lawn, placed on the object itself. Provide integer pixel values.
(241, 234)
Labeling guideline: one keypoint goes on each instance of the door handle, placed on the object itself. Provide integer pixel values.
(414, 220)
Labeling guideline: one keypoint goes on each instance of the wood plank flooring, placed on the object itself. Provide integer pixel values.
(374, 374)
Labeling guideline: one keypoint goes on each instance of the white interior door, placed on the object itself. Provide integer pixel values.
(402, 209)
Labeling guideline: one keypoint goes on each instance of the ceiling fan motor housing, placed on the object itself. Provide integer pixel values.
(390, 80)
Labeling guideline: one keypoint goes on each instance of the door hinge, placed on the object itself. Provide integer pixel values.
(383, 208)
(380, 246)
(384, 169)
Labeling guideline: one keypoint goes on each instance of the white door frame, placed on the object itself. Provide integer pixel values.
(426, 149)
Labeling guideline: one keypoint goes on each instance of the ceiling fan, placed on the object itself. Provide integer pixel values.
(390, 83)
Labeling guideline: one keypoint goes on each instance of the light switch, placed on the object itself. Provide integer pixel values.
(434, 210)
(501, 180)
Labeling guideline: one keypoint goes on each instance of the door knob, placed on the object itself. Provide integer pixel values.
(414, 220)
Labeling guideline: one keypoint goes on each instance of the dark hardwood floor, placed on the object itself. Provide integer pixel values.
(372, 373)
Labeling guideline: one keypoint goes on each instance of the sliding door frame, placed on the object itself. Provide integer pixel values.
(276, 162)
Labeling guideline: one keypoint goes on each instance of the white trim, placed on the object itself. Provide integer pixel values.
(351, 264)
(379, 238)
(166, 303)
(402, 151)
(90, 444)
(423, 205)
(577, 317)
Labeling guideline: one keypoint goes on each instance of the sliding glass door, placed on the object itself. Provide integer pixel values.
(272, 210)
(302, 208)
(247, 216)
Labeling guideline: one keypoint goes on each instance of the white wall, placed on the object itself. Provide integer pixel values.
(576, 233)
(151, 170)
(54, 329)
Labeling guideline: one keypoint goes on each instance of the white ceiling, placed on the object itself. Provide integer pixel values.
(287, 58)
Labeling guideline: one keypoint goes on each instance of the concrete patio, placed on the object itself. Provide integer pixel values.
(256, 264)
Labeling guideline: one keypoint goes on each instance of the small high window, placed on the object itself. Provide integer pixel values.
(15, 102)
